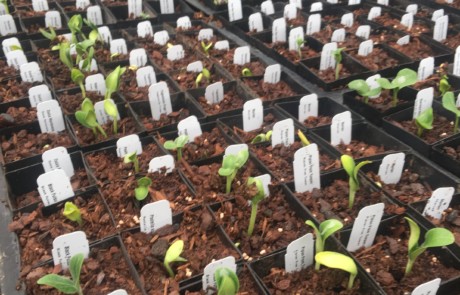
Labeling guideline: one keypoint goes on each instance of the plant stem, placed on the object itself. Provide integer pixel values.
(366, 99)
(83, 92)
(101, 130)
(136, 164)
(351, 280)
(456, 124)
(419, 131)
(168, 268)
(337, 71)
(252, 220)
(179, 154)
(351, 198)
(115, 125)
(409, 265)
(80, 291)
(395, 97)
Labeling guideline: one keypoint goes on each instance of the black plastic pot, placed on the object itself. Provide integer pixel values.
(130, 33)
(66, 7)
(243, 25)
(26, 45)
(121, 14)
(21, 103)
(27, 23)
(219, 75)
(440, 157)
(181, 8)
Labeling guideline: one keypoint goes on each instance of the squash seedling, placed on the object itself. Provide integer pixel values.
(326, 229)
(339, 261)
(94, 34)
(444, 85)
(112, 83)
(205, 73)
(246, 72)
(363, 89)
(259, 196)
(338, 61)
(230, 166)
(142, 190)
(303, 138)
(78, 78)
(448, 102)
(404, 78)
(262, 137)
(177, 144)
(435, 237)
(227, 282)
(72, 213)
(173, 255)
(206, 47)
(84, 49)
(424, 121)
(51, 35)
(299, 42)
(64, 54)
(64, 284)
(352, 170)
(75, 24)
(132, 158)
(86, 116)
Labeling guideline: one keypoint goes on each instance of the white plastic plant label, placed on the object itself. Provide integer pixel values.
(290, 11)
(391, 168)
(283, 132)
(338, 35)
(308, 107)
(296, 35)
(82, 4)
(428, 288)
(253, 114)
(365, 48)
(423, 101)
(279, 30)
(441, 26)
(138, 57)
(160, 100)
(7, 25)
(16, 59)
(372, 83)
(214, 93)
(255, 22)
(54, 186)
(205, 34)
(306, 169)
(297, 3)
(234, 149)
(374, 12)
(155, 215)
(176, 52)
(195, 67)
(68, 245)
(53, 19)
(184, 23)
(354, 2)
(438, 202)
(456, 70)
(9, 44)
(189, 126)
(161, 37)
(383, 2)
(58, 158)
(457, 103)
(412, 8)
(222, 45)
(425, 68)
(158, 163)
(267, 7)
(105, 34)
(363, 31)
(437, 14)
(129, 144)
(118, 292)
(316, 7)
(299, 254)
(341, 128)
(272, 74)
(30, 72)
(167, 6)
(118, 46)
(266, 179)
(327, 59)
(145, 76)
(135, 8)
(365, 227)
(101, 116)
(242, 55)
(38, 94)
(313, 24)
(40, 5)
(93, 66)
(235, 10)
(333, 1)
(403, 40)
(347, 19)
(95, 83)
(144, 29)
(50, 117)
(208, 279)
(407, 20)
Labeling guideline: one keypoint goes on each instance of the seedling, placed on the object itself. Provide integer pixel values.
(326, 228)
(85, 52)
(230, 166)
(112, 82)
(404, 78)
(435, 237)
(132, 158)
(142, 189)
(444, 85)
(339, 261)
(51, 35)
(113, 55)
(259, 196)
(111, 109)
(262, 137)
(338, 61)
(363, 89)
(448, 102)
(204, 74)
(178, 144)
(352, 170)
(173, 255)
(64, 284)
(206, 47)
(78, 78)
(64, 55)
(246, 72)
(72, 213)
(303, 138)
(226, 281)
(424, 121)
(75, 24)
(299, 43)
(86, 116)
(94, 34)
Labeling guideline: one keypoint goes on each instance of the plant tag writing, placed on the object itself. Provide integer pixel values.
(129, 144)
(255, 22)
(145, 76)
(374, 12)
(372, 83)
(315, 7)
(160, 100)
(7, 25)
(327, 59)
(437, 14)
(272, 74)
(208, 279)
(167, 6)
(214, 93)
(313, 24)
(296, 38)
(297, 3)
(95, 83)
(68, 245)
(235, 10)
(184, 23)
(299, 254)
(283, 133)
(176, 52)
(155, 215)
(341, 129)
(347, 19)
(190, 127)
(30, 72)
(253, 114)
(157, 163)
(94, 15)
(234, 149)
(38, 94)
(279, 30)
(266, 180)
(428, 288)
(242, 55)
(407, 20)
(456, 70)
(93, 66)
(205, 34)
(118, 46)
(438, 202)
(363, 31)
(391, 168)
(58, 158)
(354, 2)
(50, 117)
(195, 67)
(101, 116)
(412, 8)
(222, 45)
(16, 59)
(440, 28)
(161, 38)
(105, 34)
(306, 169)
(54, 186)
(423, 101)
(135, 8)
(338, 35)
(308, 107)
(138, 57)
(290, 11)
(118, 292)
(267, 7)
(40, 5)
(9, 44)
(53, 19)
(144, 29)
(403, 40)
(366, 47)
(425, 68)
(82, 4)
(383, 2)
(365, 227)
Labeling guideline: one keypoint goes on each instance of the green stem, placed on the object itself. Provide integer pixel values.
(419, 131)
(168, 268)
(395, 97)
(456, 125)
(80, 291)
(366, 99)
(351, 198)
(409, 265)
(136, 165)
(351, 280)
(337, 71)
(252, 220)
(94, 131)
(115, 125)
(228, 186)
(319, 248)
(179, 154)
(83, 91)
(101, 130)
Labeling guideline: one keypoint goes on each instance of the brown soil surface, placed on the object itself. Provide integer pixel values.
(378, 59)
(269, 91)
(86, 136)
(165, 120)
(442, 128)
(232, 101)
(359, 149)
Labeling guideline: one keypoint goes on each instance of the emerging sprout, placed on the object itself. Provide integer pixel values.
(444, 85)
(86, 116)
(299, 42)
(94, 34)
(326, 229)
(230, 166)
(363, 89)
(132, 158)
(405, 77)
(435, 237)
(113, 55)
(64, 55)
(246, 72)
(206, 47)
(204, 74)
(339, 261)
(142, 189)
(112, 82)
(338, 61)
(263, 137)
(178, 144)
(75, 24)
(255, 201)
(111, 109)
(303, 138)
(352, 170)
(51, 35)
(173, 255)
(424, 121)
(448, 102)
(64, 284)
(226, 281)
(85, 52)
(78, 78)
(72, 213)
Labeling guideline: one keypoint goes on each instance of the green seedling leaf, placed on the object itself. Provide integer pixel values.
(112, 82)
(77, 76)
(228, 165)
(64, 55)
(444, 85)
(87, 105)
(448, 102)
(142, 189)
(72, 213)
(51, 35)
(132, 158)
(326, 229)
(16, 47)
(94, 35)
(58, 282)
(424, 121)
(169, 145)
(348, 164)
(241, 158)
(404, 78)
(82, 118)
(255, 202)
(178, 144)
(76, 263)
(181, 141)
(303, 138)
(338, 61)
(110, 108)
(206, 73)
(173, 255)
(385, 83)
(339, 261)
(246, 72)
(206, 47)
(352, 170)
(363, 89)
(263, 137)
(226, 281)
(75, 24)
